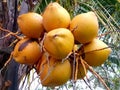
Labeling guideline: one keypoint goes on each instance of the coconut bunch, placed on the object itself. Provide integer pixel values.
(51, 39)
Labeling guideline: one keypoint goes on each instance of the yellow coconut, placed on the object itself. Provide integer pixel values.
(96, 52)
(55, 16)
(27, 51)
(54, 72)
(31, 24)
(84, 27)
(59, 42)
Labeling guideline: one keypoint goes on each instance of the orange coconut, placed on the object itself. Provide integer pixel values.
(55, 16)
(31, 24)
(96, 52)
(54, 72)
(59, 42)
(27, 51)
(84, 27)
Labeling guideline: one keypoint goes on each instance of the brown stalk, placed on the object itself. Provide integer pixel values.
(98, 76)
(10, 33)
(8, 59)
(76, 69)
(7, 62)
(94, 50)
(84, 67)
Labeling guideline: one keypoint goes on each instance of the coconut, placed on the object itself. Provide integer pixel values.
(55, 16)
(59, 43)
(54, 72)
(27, 51)
(31, 24)
(84, 27)
(96, 52)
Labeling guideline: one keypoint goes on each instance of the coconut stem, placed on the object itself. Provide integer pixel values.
(7, 62)
(13, 43)
(76, 69)
(11, 55)
(94, 50)
(10, 33)
(83, 65)
(98, 76)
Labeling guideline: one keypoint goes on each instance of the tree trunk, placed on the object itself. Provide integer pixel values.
(8, 16)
